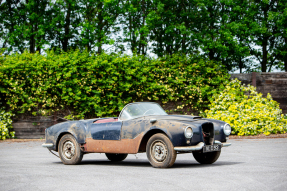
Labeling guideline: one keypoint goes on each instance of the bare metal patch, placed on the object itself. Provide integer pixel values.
(127, 146)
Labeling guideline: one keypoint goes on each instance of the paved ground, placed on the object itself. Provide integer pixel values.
(250, 164)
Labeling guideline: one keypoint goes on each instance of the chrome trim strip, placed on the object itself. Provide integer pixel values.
(217, 142)
(197, 147)
(226, 144)
(47, 145)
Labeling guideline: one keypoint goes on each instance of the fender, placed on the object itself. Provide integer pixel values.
(55, 132)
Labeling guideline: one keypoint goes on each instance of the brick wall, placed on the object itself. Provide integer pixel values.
(273, 83)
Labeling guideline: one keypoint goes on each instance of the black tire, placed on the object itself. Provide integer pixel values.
(116, 157)
(160, 151)
(206, 158)
(69, 150)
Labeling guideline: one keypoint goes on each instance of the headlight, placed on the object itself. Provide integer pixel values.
(188, 133)
(227, 129)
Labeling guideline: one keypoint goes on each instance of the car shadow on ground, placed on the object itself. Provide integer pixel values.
(145, 163)
(186, 164)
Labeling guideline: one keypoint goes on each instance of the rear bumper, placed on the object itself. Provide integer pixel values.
(199, 146)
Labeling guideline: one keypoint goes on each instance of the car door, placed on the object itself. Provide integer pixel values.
(110, 138)
(106, 131)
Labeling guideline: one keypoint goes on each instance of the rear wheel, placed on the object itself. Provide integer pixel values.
(116, 157)
(206, 158)
(160, 151)
(69, 150)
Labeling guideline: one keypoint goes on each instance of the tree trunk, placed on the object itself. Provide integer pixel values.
(184, 44)
(67, 28)
(240, 64)
(130, 31)
(32, 41)
(142, 38)
(38, 40)
(285, 56)
(11, 28)
(4, 44)
(264, 43)
(100, 45)
(211, 54)
(264, 51)
(39, 49)
(101, 19)
(285, 62)
(32, 35)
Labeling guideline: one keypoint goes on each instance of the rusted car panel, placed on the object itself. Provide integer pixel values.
(132, 128)
(126, 146)
(130, 134)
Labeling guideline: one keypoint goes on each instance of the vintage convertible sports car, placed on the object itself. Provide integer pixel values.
(140, 127)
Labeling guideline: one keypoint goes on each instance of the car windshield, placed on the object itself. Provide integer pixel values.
(135, 110)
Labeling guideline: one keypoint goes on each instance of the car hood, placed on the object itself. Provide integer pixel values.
(175, 117)
(186, 119)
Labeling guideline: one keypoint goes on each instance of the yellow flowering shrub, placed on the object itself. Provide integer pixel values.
(247, 111)
(6, 125)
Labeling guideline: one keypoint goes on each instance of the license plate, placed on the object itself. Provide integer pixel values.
(211, 148)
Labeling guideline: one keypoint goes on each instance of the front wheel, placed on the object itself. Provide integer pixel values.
(206, 158)
(116, 157)
(69, 150)
(160, 151)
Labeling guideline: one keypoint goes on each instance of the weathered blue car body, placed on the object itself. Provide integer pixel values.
(96, 137)
(141, 127)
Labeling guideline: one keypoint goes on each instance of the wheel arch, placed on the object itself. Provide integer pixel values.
(147, 136)
(60, 136)
(77, 129)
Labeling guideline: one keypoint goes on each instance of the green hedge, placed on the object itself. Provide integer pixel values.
(100, 85)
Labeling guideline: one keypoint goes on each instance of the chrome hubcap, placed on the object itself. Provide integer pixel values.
(159, 151)
(68, 150)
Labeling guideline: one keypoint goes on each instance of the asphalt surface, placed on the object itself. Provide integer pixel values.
(250, 164)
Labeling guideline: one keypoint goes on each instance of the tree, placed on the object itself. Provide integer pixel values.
(64, 24)
(239, 52)
(133, 20)
(216, 33)
(239, 33)
(99, 20)
(172, 26)
(263, 32)
(10, 19)
(36, 16)
(280, 17)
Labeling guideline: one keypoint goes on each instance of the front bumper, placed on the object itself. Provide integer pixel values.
(199, 146)
(47, 145)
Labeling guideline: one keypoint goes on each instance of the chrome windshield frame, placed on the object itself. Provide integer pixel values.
(119, 118)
